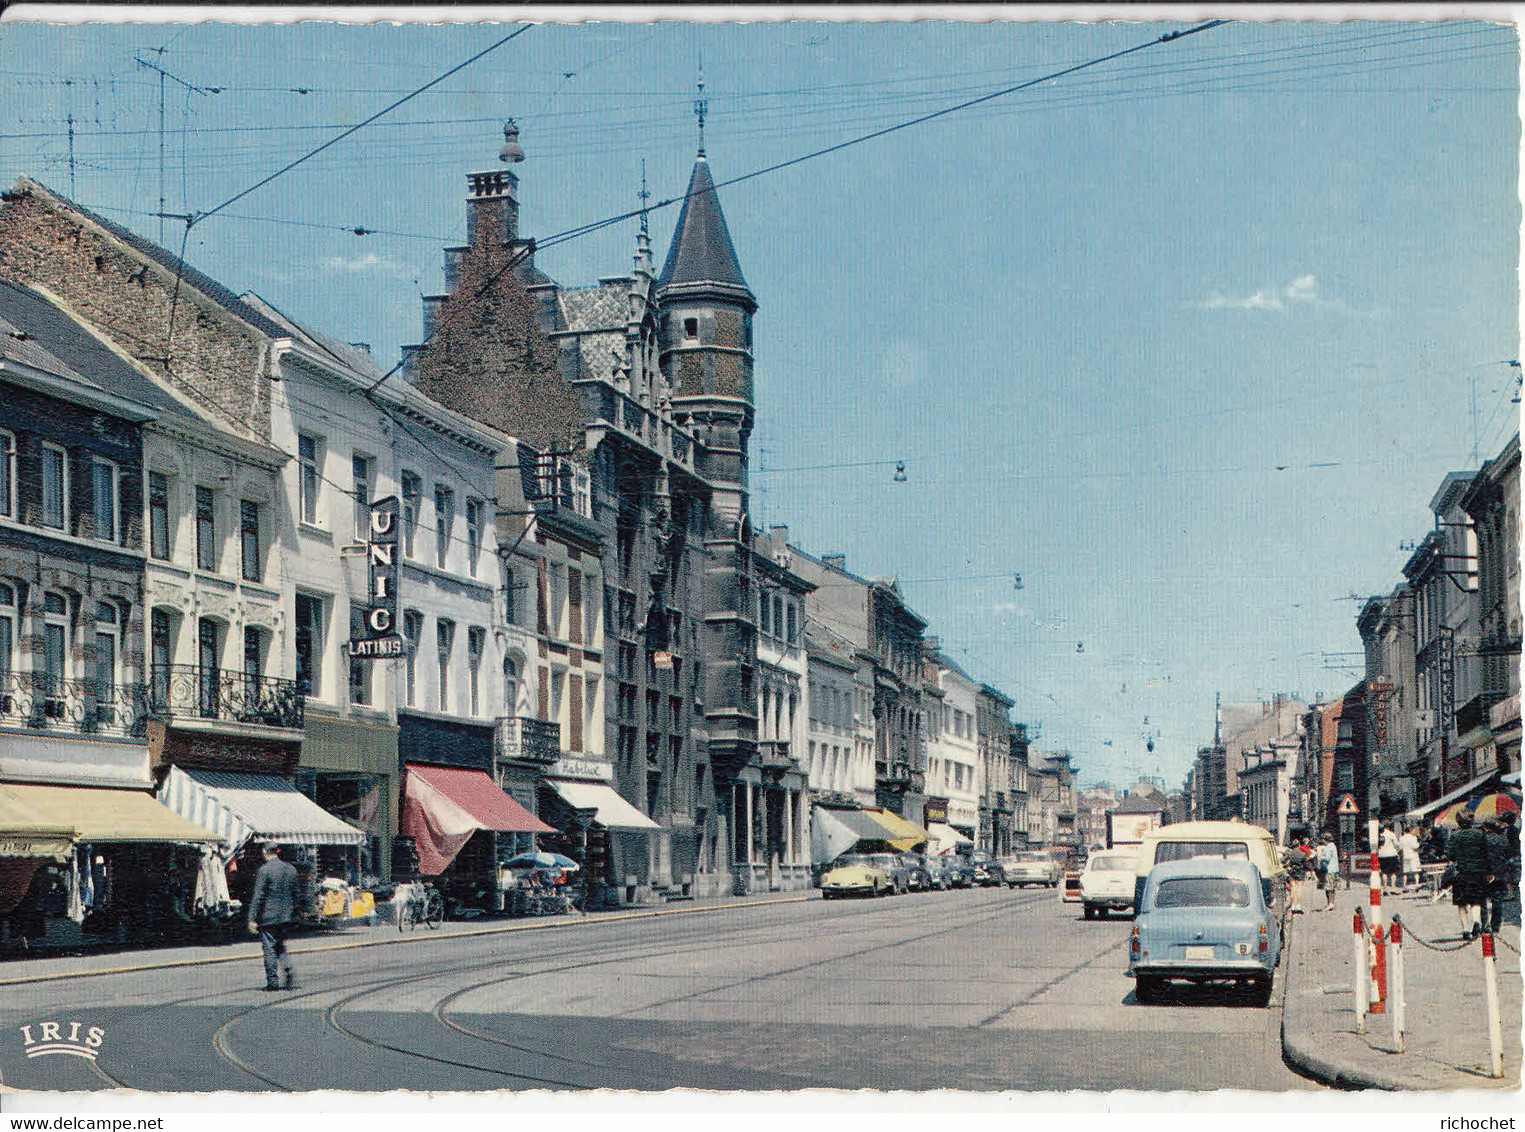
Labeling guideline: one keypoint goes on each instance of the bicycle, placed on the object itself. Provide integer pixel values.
(420, 903)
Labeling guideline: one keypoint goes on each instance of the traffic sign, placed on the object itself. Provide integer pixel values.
(1348, 805)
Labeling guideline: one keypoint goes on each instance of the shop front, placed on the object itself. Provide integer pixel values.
(457, 821)
(349, 768)
(577, 796)
(91, 865)
(246, 810)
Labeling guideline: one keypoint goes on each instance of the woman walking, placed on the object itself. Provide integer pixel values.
(1389, 858)
(1408, 848)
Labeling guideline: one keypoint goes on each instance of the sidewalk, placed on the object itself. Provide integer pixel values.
(241, 948)
(1446, 1044)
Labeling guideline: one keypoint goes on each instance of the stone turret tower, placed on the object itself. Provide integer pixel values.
(706, 342)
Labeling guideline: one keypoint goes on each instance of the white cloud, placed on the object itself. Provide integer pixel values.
(368, 262)
(1303, 289)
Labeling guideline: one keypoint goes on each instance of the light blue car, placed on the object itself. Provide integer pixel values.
(1204, 920)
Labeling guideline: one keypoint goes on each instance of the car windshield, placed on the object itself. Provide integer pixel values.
(1202, 892)
(1033, 859)
(884, 861)
(1110, 863)
(1186, 850)
(852, 860)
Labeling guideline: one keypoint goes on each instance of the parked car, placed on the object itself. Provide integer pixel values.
(960, 870)
(987, 872)
(1106, 883)
(1205, 920)
(938, 873)
(894, 868)
(855, 874)
(918, 878)
(1033, 868)
(1008, 871)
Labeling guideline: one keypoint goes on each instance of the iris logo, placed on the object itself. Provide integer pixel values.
(73, 1038)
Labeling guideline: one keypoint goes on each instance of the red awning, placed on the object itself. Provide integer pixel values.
(444, 806)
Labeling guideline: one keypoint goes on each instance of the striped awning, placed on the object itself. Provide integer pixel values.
(239, 806)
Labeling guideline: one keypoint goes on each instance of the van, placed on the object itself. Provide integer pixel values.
(1230, 840)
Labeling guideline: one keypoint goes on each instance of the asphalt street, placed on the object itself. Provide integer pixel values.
(981, 990)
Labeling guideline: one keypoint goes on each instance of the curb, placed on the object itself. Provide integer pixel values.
(393, 941)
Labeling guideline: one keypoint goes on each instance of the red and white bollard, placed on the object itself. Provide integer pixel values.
(1395, 986)
(1379, 941)
(1360, 969)
(1495, 1028)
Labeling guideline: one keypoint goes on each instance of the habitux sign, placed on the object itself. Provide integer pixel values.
(380, 636)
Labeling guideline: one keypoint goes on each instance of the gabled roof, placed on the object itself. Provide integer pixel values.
(1140, 804)
(702, 257)
(189, 276)
(40, 334)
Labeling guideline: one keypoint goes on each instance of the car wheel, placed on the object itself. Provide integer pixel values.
(1148, 989)
(1090, 911)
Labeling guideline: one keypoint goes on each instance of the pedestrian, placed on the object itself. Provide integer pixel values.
(1504, 867)
(272, 908)
(1408, 846)
(1467, 847)
(1326, 863)
(1389, 858)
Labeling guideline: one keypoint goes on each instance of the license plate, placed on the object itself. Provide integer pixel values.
(1199, 952)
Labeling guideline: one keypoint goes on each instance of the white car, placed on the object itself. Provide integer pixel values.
(1032, 868)
(1107, 882)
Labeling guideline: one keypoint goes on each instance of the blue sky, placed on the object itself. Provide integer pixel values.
(1186, 340)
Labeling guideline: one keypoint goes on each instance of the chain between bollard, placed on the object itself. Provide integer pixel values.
(1497, 938)
(1410, 933)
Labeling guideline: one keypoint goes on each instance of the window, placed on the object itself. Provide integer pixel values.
(413, 629)
(207, 664)
(591, 608)
(364, 469)
(309, 644)
(7, 637)
(1202, 892)
(557, 606)
(510, 687)
(158, 515)
(444, 522)
(106, 481)
(510, 599)
(161, 655)
(359, 670)
(254, 662)
(476, 642)
(444, 638)
(248, 536)
(55, 487)
(792, 634)
(765, 622)
(8, 475)
(206, 529)
(574, 606)
(476, 511)
(690, 328)
(107, 650)
(310, 458)
(1344, 777)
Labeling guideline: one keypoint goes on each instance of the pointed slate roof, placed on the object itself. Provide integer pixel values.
(702, 257)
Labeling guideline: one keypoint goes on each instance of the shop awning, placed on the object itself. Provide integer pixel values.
(99, 814)
(1460, 792)
(861, 823)
(613, 812)
(26, 833)
(442, 807)
(903, 834)
(946, 836)
(237, 806)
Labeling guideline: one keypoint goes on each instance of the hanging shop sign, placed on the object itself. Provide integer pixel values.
(380, 635)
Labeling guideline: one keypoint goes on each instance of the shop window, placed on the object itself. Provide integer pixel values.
(158, 516)
(106, 481)
(55, 487)
(248, 536)
(412, 492)
(310, 459)
(8, 474)
(206, 529)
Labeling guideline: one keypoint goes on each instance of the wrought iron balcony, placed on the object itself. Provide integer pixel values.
(44, 701)
(537, 740)
(189, 692)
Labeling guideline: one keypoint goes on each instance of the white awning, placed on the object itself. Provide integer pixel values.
(1458, 793)
(240, 806)
(613, 812)
(946, 836)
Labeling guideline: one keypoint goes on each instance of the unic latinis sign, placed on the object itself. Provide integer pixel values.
(380, 638)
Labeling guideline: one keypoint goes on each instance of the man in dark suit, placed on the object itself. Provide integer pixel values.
(272, 908)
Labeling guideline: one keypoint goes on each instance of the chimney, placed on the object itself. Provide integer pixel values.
(835, 562)
(778, 542)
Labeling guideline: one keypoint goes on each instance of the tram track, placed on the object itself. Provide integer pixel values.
(592, 953)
